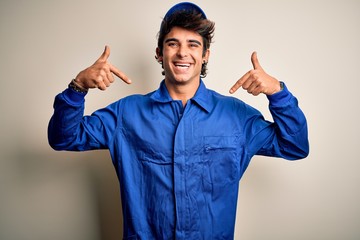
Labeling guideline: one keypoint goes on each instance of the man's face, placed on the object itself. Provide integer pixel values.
(182, 56)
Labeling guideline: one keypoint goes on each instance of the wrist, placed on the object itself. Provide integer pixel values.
(280, 98)
(74, 85)
(278, 88)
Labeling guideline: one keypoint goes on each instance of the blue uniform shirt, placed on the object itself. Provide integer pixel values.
(179, 167)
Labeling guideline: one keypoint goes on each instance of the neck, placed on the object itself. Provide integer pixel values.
(182, 92)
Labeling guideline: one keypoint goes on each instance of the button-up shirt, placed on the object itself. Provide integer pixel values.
(179, 166)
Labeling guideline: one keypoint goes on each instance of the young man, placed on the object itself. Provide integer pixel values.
(180, 151)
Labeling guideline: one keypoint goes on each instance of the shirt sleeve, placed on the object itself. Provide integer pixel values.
(69, 129)
(287, 135)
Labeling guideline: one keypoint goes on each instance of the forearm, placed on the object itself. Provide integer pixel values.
(290, 126)
(65, 124)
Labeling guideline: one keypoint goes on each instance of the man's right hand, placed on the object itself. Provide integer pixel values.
(100, 74)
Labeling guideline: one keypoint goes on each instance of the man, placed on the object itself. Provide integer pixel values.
(180, 151)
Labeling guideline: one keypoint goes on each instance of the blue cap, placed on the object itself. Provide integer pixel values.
(184, 6)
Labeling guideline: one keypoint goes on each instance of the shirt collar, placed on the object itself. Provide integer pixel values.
(161, 94)
(202, 96)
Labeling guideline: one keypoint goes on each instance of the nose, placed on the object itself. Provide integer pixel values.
(182, 51)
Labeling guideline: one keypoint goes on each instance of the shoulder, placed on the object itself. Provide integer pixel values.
(230, 104)
(129, 102)
(135, 98)
(221, 99)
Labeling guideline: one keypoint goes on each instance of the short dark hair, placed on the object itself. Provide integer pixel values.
(190, 20)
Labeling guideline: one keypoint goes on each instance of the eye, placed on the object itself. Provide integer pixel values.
(172, 44)
(194, 45)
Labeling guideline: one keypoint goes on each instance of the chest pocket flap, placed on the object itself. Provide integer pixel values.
(221, 159)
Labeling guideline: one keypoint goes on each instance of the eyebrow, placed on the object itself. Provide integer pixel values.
(177, 40)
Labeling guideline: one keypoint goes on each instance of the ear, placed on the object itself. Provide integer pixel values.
(206, 56)
(158, 56)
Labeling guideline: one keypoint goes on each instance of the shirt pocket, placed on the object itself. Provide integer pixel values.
(221, 159)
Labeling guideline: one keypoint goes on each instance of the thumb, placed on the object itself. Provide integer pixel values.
(105, 55)
(255, 61)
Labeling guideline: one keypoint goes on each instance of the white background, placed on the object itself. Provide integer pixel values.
(313, 46)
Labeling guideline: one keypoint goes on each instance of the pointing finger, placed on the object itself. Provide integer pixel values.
(120, 74)
(240, 82)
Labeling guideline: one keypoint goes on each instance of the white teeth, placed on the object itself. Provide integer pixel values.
(182, 65)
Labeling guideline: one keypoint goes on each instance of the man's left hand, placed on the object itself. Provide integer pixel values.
(257, 81)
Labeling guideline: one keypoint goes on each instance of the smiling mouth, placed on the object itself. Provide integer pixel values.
(182, 65)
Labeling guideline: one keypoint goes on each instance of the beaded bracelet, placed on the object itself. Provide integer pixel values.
(74, 86)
